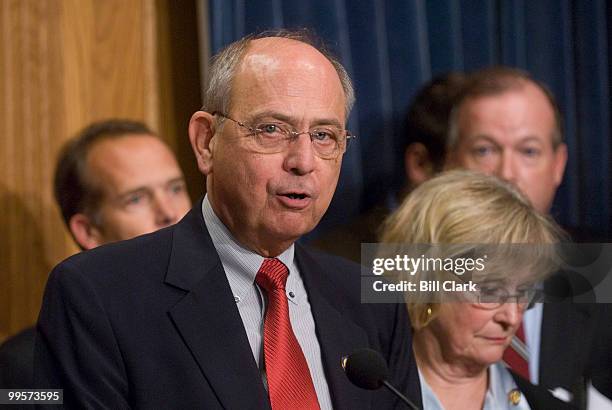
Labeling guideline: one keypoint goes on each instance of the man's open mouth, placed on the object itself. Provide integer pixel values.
(296, 196)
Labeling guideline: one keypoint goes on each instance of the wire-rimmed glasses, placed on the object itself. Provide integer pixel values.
(270, 137)
(490, 298)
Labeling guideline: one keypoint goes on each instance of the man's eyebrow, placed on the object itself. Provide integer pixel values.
(475, 138)
(146, 189)
(328, 121)
(180, 179)
(290, 120)
(531, 138)
(137, 190)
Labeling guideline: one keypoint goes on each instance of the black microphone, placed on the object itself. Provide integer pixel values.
(367, 369)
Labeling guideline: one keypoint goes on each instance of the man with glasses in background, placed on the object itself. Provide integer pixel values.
(224, 310)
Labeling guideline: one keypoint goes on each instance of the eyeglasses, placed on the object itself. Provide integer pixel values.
(492, 298)
(274, 137)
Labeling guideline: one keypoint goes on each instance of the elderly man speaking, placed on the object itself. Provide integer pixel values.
(224, 310)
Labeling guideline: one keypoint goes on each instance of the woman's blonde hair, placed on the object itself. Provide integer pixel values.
(464, 207)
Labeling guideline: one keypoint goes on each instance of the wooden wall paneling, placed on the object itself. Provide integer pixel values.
(63, 64)
(179, 80)
(29, 122)
(111, 53)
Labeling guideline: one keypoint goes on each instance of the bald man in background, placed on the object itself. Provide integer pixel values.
(113, 181)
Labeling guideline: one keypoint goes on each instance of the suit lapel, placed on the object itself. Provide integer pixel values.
(337, 335)
(208, 320)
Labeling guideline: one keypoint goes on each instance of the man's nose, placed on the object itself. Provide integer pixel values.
(507, 167)
(165, 211)
(300, 156)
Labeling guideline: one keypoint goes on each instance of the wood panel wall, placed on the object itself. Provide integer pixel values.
(63, 64)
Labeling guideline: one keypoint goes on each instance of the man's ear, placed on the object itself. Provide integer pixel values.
(560, 162)
(85, 233)
(417, 164)
(201, 131)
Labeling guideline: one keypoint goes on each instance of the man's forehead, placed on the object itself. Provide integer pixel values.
(125, 146)
(130, 160)
(522, 93)
(265, 55)
(521, 113)
(286, 75)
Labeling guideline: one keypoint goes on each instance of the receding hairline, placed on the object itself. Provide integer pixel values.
(109, 140)
(507, 85)
(510, 86)
(224, 64)
(272, 39)
(89, 177)
(126, 135)
(266, 46)
(259, 45)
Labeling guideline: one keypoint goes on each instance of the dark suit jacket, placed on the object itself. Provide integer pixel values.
(538, 397)
(601, 360)
(16, 357)
(152, 323)
(568, 335)
(575, 338)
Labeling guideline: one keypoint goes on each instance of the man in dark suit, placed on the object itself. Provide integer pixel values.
(16, 357)
(223, 310)
(114, 180)
(508, 124)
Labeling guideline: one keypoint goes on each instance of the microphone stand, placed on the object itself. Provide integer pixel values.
(400, 395)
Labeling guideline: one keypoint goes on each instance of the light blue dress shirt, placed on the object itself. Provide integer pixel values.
(241, 265)
(501, 384)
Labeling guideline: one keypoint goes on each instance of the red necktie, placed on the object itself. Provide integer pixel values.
(517, 355)
(289, 383)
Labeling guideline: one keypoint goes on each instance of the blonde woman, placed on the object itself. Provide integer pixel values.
(459, 346)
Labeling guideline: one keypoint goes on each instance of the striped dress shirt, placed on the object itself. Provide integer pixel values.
(241, 265)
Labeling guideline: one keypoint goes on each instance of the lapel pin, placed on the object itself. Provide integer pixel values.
(514, 397)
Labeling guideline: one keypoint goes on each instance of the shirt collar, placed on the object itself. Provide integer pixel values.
(241, 264)
(501, 388)
(500, 384)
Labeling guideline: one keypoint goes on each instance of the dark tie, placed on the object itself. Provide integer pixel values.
(517, 355)
(289, 383)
